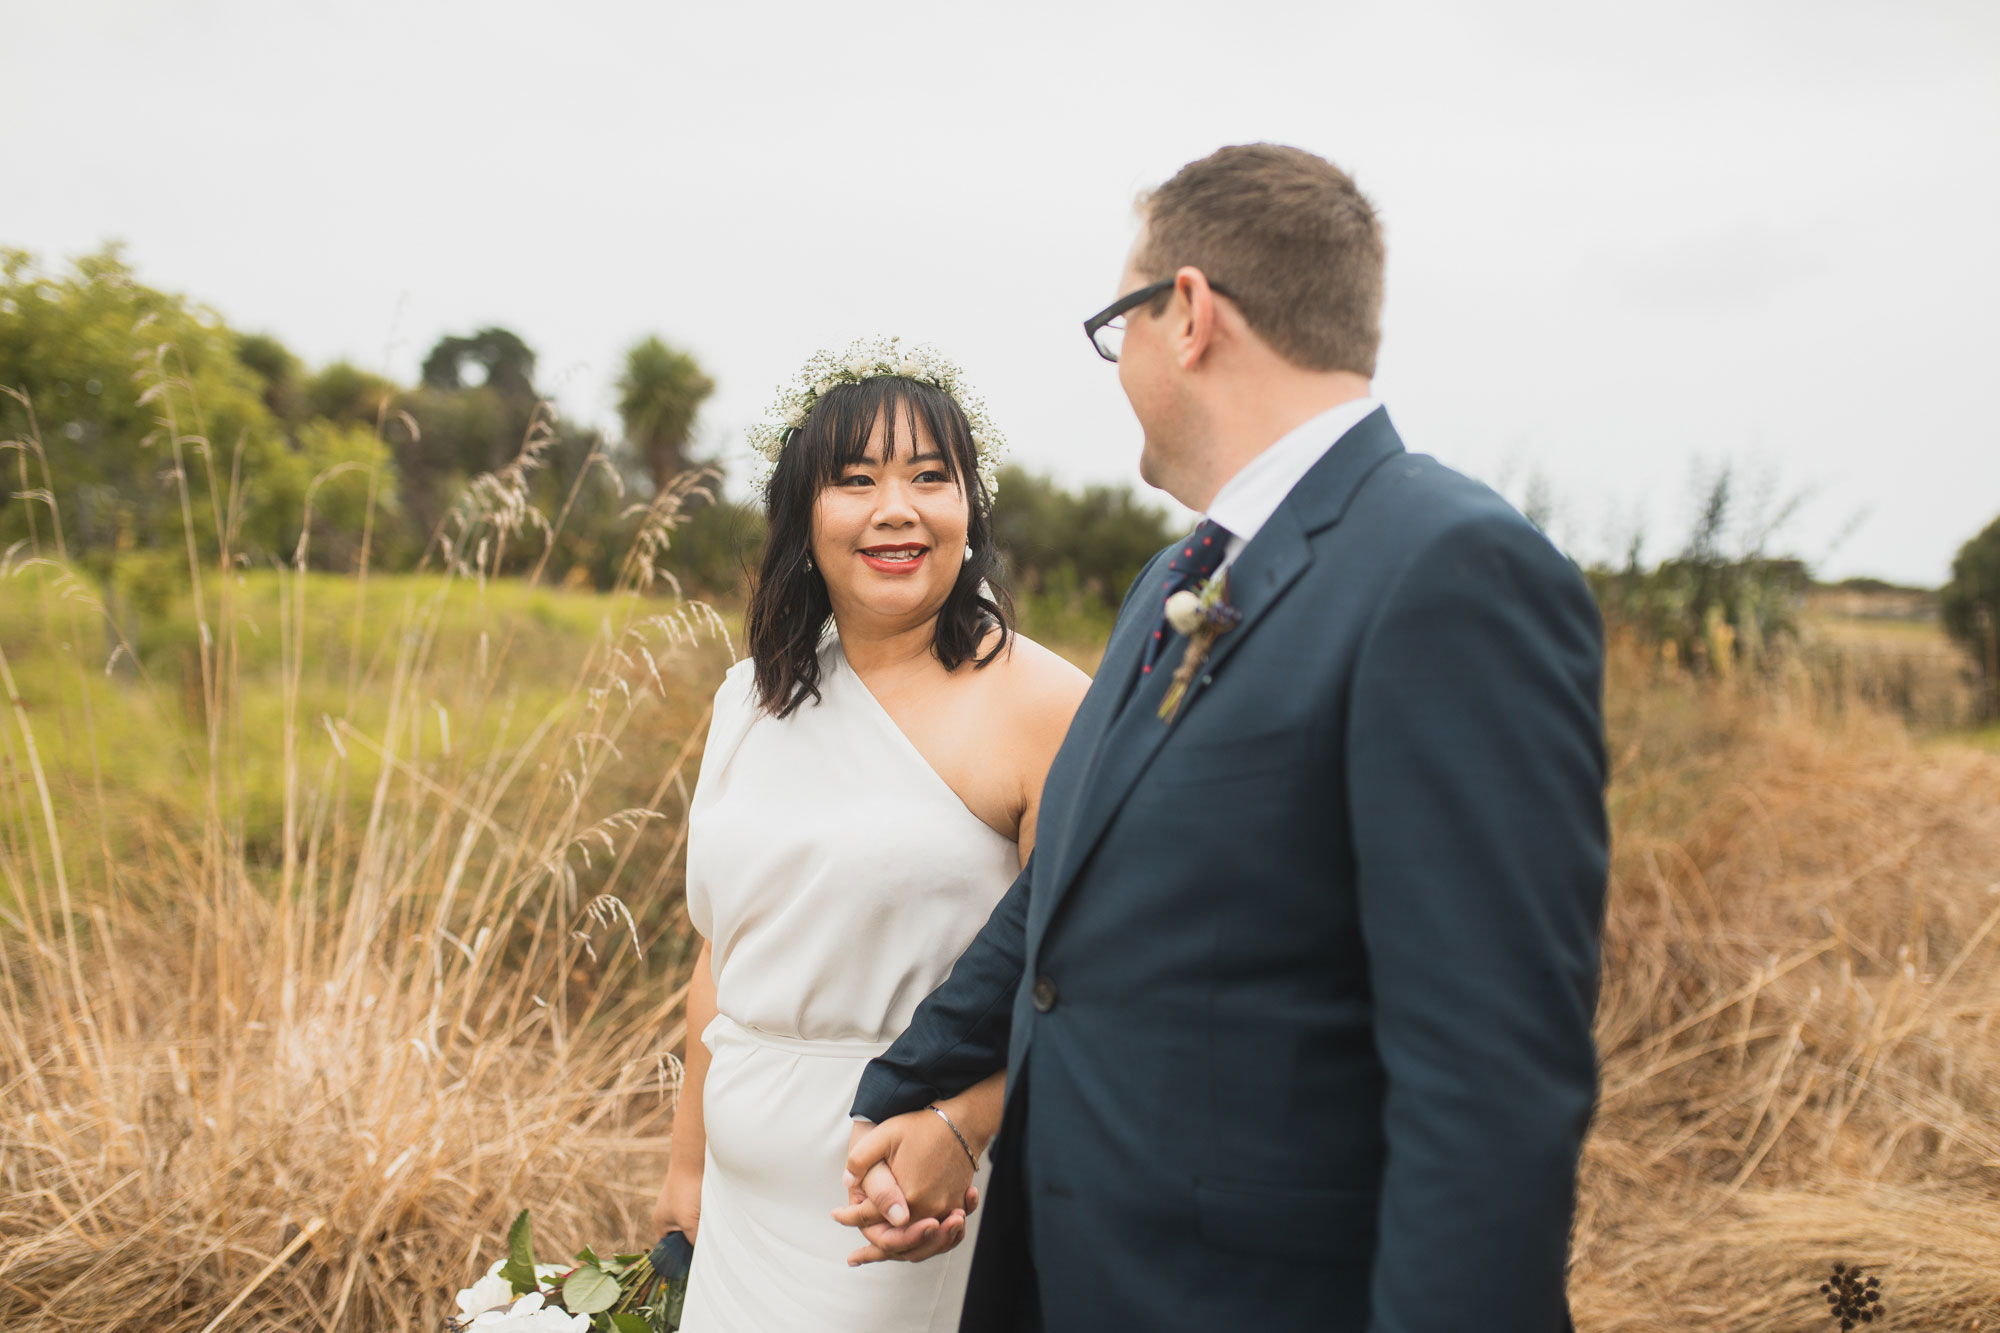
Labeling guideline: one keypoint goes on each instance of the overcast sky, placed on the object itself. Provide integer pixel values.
(1625, 240)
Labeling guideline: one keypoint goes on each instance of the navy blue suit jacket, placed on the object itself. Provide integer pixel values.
(1295, 996)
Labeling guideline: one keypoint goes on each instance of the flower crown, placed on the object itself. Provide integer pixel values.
(866, 359)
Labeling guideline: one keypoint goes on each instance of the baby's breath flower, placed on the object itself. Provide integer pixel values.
(863, 360)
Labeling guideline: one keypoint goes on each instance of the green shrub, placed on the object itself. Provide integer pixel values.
(1970, 606)
(1717, 604)
(1090, 543)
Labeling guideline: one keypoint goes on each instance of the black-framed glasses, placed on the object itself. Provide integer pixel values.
(1106, 328)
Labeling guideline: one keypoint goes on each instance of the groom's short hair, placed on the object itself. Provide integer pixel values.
(1292, 240)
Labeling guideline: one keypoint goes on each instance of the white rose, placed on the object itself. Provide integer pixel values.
(1184, 612)
(910, 368)
(507, 1319)
(858, 367)
(531, 1314)
(796, 417)
(489, 1293)
(821, 386)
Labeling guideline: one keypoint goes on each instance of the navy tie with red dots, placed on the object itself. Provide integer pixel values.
(1196, 562)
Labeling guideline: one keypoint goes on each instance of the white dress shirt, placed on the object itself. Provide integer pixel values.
(1248, 499)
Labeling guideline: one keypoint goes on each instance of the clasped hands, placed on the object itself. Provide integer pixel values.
(909, 1188)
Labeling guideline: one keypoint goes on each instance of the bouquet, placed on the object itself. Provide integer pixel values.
(627, 1293)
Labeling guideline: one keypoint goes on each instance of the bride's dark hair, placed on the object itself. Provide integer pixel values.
(789, 606)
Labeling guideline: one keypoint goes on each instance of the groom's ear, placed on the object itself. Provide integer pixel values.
(1191, 318)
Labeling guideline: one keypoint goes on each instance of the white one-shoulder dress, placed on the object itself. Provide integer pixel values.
(837, 877)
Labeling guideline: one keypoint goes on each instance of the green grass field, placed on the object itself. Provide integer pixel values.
(307, 670)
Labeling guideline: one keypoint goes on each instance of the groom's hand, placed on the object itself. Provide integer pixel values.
(908, 1197)
(923, 1239)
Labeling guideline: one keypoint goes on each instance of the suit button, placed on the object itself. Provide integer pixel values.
(1045, 994)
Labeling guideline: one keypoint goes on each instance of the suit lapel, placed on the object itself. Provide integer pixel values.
(1258, 578)
(1120, 668)
(1135, 734)
(1283, 547)
(1132, 732)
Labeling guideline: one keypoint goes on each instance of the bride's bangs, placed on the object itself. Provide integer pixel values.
(902, 406)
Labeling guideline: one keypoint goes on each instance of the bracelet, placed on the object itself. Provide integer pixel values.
(970, 1156)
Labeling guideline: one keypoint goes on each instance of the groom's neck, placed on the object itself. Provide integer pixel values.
(1248, 413)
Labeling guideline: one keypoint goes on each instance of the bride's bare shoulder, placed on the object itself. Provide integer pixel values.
(1035, 682)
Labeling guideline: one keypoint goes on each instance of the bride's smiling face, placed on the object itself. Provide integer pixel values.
(889, 531)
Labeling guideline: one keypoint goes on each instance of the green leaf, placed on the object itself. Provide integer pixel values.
(628, 1322)
(587, 1258)
(589, 1290)
(519, 1270)
(521, 1241)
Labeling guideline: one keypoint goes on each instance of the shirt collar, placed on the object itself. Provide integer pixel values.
(1248, 499)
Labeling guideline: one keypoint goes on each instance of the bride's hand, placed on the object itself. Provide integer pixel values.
(906, 1195)
(679, 1206)
(928, 1171)
(920, 1240)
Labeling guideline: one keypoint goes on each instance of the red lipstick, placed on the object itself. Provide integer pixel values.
(903, 558)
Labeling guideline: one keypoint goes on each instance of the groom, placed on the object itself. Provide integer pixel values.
(1295, 996)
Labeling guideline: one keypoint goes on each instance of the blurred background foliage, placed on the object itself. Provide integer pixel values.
(1725, 604)
(1721, 601)
(115, 370)
(1970, 607)
(132, 389)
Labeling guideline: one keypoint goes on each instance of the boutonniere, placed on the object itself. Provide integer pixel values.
(1203, 615)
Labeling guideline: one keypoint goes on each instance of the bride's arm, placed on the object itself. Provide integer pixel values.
(679, 1206)
(976, 1111)
(1056, 692)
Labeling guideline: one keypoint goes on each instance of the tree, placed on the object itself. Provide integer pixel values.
(659, 396)
(282, 373)
(1970, 606)
(465, 424)
(133, 392)
(1096, 540)
(507, 366)
(345, 393)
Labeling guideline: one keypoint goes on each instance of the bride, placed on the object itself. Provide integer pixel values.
(867, 794)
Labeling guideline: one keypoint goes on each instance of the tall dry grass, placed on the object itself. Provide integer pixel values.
(1801, 986)
(307, 1090)
(241, 1090)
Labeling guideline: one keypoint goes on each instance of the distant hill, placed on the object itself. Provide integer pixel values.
(1873, 599)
